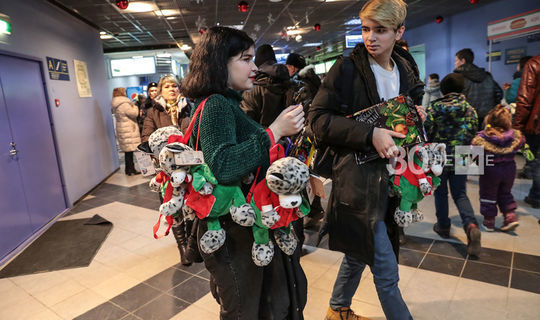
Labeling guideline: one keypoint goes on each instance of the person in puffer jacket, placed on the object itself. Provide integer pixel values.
(481, 91)
(453, 121)
(433, 90)
(500, 143)
(127, 130)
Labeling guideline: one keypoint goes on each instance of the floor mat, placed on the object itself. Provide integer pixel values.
(67, 244)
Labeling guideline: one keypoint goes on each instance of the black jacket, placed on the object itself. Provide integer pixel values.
(481, 91)
(306, 84)
(360, 194)
(271, 94)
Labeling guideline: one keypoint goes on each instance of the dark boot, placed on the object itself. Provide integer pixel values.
(192, 251)
(474, 237)
(402, 239)
(179, 233)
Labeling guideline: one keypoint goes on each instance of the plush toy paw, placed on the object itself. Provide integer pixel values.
(172, 206)
(403, 218)
(206, 189)
(425, 188)
(188, 213)
(286, 241)
(154, 185)
(243, 215)
(417, 215)
(212, 240)
(262, 254)
(269, 218)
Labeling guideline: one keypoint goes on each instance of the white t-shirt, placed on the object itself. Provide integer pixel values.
(387, 81)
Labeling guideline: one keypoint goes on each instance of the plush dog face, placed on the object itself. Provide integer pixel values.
(434, 157)
(166, 162)
(287, 176)
(158, 139)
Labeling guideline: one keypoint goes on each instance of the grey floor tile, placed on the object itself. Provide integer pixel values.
(193, 269)
(162, 308)
(410, 258)
(168, 279)
(493, 256)
(136, 297)
(450, 249)
(205, 274)
(524, 280)
(191, 290)
(446, 265)
(527, 262)
(105, 311)
(131, 317)
(487, 273)
(417, 243)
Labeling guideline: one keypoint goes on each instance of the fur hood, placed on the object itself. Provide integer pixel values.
(305, 70)
(510, 142)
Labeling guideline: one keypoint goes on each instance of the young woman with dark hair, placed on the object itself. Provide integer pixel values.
(234, 146)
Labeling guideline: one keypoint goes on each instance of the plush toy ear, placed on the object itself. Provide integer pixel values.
(274, 180)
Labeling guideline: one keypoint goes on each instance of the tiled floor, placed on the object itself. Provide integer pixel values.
(134, 276)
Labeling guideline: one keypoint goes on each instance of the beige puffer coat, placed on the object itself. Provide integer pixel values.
(127, 130)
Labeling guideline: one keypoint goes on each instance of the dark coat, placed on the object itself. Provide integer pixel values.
(481, 91)
(527, 117)
(360, 194)
(270, 95)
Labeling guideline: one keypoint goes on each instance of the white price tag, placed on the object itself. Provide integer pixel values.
(145, 163)
(317, 186)
(188, 158)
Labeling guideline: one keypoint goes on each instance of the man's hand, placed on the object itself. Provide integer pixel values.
(384, 144)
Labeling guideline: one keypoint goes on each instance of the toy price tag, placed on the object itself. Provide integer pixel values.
(145, 163)
(188, 158)
(316, 186)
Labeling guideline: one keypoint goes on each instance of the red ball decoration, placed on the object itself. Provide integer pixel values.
(317, 27)
(474, 1)
(202, 30)
(122, 4)
(318, 48)
(243, 6)
(439, 19)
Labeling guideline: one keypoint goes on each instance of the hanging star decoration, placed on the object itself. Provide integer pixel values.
(270, 19)
(253, 36)
(200, 23)
(257, 27)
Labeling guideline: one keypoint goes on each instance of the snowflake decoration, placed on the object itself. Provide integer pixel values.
(200, 23)
(270, 19)
(253, 36)
(257, 27)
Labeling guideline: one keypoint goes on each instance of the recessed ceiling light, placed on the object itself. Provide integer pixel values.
(353, 22)
(312, 44)
(237, 26)
(274, 0)
(185, 47)
(140, 6)
(105, 36)
(167, 12)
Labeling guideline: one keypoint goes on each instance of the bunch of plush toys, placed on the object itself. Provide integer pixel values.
(276, 202)
(413, 181)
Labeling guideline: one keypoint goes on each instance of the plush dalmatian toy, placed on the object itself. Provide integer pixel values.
(276, 202)
(156, 142)
(417, 180)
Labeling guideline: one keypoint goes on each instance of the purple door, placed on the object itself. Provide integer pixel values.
(30, 124)
(15, 224)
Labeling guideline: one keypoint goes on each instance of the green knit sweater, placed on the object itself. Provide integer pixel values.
(233, 144)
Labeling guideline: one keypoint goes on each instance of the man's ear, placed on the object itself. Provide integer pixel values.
(399, 33)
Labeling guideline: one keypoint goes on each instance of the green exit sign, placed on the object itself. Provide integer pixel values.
(5, 24)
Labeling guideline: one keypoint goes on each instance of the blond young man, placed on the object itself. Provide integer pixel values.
(360, 213)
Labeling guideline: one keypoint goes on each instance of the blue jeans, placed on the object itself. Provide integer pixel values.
(385, 277)
(458, 188)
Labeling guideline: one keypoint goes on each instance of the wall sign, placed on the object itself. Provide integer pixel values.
(58, 69)
(83, 83)
(495, 55)
(513, 55)
(511, 27)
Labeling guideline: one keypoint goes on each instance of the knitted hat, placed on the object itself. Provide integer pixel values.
(454, 82)
(264, 53)
(152, 84)
(296, 60)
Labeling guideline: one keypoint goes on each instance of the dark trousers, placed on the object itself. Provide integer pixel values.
(130, 166)
(534, 143)
(496, 189)
(458, 188)
(246, 291)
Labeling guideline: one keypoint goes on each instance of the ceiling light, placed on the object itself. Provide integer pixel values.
(137, 57)
(105, 36)
(236, 26)
(171, 18)
(353, 22)
(312, 44)
(274, 0)
(185, 47)
(167, 12)
(294, 32)
(140, 6)
(103, 32)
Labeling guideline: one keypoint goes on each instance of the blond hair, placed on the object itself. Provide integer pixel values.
(119, 92)
(389, 13)
(166, 79)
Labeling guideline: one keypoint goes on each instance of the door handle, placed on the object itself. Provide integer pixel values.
(13, 152)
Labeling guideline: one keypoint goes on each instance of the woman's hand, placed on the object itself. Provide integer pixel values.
(384, 144)
(289, 122)
(422, 112)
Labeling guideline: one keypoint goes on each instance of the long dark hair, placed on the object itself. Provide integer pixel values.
(208, 73)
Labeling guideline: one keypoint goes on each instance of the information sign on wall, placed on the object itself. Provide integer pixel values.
(83, 83)
(58, 69)
(513, 55)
